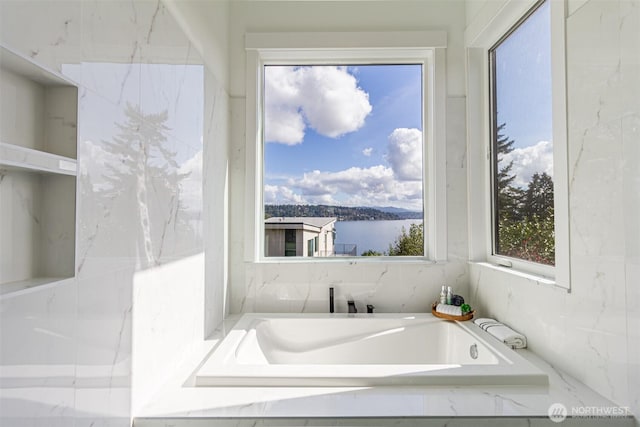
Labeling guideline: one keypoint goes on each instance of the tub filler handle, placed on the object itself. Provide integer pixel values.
(352, 306)
(370, 308)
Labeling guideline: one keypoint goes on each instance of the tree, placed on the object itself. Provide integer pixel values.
(531, 238)
(508, 196)
(525, 221)
(411, 244)
(148, 175)
(371, 252)
(538, 197)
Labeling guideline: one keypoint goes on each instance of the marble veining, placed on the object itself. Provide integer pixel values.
(181, 404)
(140, 171)
(595, 322)
(57, 371)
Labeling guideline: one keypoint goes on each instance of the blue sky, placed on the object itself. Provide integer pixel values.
(366, 160)
(352, 135)
(523, 92)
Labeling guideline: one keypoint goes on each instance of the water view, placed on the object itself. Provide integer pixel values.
(371, 235)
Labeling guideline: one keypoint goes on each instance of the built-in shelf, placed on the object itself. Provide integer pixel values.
(27, 159)
(38, 168)
(22, 285)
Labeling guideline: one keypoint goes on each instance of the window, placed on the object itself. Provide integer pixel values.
(346, 142)
(281, 187)
(518, 194)
(522, 143)
(289, 242)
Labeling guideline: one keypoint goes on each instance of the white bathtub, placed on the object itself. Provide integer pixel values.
(362, 350)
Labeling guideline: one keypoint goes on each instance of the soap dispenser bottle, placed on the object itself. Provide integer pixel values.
(449, 295)
(443, 295)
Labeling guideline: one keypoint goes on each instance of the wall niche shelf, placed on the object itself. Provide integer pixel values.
(15, 157)
(38, 168)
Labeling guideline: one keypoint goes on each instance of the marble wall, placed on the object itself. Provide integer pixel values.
(91, 350)
(591, 332)
(401, 286)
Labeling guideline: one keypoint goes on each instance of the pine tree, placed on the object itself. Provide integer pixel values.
(147, 172)
(538, 198)
(508, 197)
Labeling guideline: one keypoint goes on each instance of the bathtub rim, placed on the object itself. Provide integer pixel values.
(218, 370)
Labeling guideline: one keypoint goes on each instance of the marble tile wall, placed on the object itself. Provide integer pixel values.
(592, 332)
(403, 286)
(392, 286)
(90, 350)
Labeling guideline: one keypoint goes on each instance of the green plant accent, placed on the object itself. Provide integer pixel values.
(466, 308)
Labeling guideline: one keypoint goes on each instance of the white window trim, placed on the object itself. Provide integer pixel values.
(478, 42)
(425, 47)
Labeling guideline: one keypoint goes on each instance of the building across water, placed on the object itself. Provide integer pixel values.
(300, 236)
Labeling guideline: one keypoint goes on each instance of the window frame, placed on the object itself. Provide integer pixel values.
(426, 48)
(479, 42)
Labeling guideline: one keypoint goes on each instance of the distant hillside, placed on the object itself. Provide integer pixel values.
(343, 213)
(402, 213)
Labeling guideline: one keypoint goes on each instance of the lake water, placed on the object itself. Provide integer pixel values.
(376, 235)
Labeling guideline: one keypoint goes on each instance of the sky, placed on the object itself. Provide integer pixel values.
(348, 135)
(352, 135)
(523, 96)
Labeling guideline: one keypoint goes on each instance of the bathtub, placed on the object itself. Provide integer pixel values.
(362, 350)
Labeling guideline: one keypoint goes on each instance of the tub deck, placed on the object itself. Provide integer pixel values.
(180, 403)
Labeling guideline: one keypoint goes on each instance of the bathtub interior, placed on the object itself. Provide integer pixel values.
(362, 350)
(360, 341)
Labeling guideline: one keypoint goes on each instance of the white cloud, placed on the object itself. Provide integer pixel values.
(373, 186)
(325, 98)
(284, 125)
(529, 160)
(350, 181)
(397, 184)
(96, 162)
(278, 194)
(405, 154)
(367, 151)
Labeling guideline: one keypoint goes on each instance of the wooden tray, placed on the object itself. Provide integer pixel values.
(467, 316)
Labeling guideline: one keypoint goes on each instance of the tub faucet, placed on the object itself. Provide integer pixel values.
(370, 308)
(330, 300)
(352, 306)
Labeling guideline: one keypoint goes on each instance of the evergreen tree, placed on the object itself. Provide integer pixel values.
(411, 244)
(538, 198)
(371, 252)
(147, 173)
(508, 196)
(525, 217)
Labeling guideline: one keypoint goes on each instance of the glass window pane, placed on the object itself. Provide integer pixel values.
(522, 141)
(343, 157)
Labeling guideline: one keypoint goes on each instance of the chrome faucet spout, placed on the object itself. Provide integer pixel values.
(331, 300)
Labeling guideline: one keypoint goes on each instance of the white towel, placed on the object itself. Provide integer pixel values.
(502, 332)
(452, 310)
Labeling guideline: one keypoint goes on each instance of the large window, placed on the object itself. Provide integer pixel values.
(346, 126)
(343, 156)
(522, 140)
